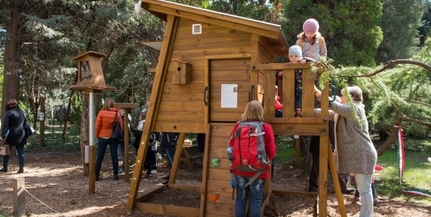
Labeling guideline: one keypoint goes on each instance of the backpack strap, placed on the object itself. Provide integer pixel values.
(232, 184)
(251, 180)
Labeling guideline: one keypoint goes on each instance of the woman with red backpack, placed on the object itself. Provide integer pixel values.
(252, 147)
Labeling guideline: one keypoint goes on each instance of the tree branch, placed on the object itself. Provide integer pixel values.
(390, 65)
(393, 137)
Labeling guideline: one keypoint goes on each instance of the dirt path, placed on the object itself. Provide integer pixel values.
(56, 179)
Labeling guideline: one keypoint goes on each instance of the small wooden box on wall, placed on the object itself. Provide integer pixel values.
(181, 72)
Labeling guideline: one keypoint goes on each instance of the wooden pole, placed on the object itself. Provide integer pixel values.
(92, 175)
(336, 182)
(19, 197)
(126, 108)
(126, 144)
(297, 151)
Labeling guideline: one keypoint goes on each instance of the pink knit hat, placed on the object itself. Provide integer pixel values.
(310, 26)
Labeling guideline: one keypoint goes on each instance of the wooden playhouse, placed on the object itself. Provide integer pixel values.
(210, 65)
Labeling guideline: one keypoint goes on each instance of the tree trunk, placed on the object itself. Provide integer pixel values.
(389, 141)
(66, 117)
(12, 55)
(42, 122)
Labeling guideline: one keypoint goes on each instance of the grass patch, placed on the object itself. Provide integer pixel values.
(417, 173)
(285, 149)
(54, 140)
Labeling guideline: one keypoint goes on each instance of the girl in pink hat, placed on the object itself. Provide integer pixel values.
(311, 41)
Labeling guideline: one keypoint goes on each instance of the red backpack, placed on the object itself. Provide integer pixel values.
(247, 150)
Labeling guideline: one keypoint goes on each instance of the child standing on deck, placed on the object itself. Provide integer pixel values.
(312, 43)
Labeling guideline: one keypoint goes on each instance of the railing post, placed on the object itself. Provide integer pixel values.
(19, 197)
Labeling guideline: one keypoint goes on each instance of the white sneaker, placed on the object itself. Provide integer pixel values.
(153, 171)
(120, 172)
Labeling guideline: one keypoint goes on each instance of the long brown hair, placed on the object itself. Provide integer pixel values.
(253, 112)
(12, 103)
(109, 103)
(313, 40)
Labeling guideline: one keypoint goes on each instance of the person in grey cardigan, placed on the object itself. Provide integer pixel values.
(355, 151)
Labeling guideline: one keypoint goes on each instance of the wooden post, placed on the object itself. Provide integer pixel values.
(297, 151)
(92, 170)
(336, 182)
(19, 197)
(126, 108)
(126, 145)
(177, 158)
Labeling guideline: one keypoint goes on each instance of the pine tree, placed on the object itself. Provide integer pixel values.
(400, 22)
(351, 28)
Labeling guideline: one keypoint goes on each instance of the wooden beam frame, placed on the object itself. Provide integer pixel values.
(165, 54)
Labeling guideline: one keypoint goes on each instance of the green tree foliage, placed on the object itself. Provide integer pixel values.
(55, 31)
(256, 9)
(425, 29)
(351, 28)
(394, 91)
(400, 22)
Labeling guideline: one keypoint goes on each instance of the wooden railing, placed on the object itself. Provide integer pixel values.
(288, 124)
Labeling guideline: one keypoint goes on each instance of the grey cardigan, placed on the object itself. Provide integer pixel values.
(356, 151)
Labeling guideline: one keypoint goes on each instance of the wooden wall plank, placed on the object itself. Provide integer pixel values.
(168, 209)
(219, 174)
(220, 209)
(189, 55)
(224, 198)
(182, 106)
(299, 129)
(219, 186)
(179, 127)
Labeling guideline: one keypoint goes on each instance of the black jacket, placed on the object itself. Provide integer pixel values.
(13, 127)
(169, 139)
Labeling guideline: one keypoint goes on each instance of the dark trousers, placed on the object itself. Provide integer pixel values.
(200, 139)
(170, 152)
(101, 148)
(21, 157)
(150, 160)
(314, 175)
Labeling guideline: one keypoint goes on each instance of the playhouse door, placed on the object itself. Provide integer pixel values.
(229, 84)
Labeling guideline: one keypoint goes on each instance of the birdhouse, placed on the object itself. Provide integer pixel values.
(90, 73)
(182, 72)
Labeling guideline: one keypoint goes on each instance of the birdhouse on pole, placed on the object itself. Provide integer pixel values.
(90, 73)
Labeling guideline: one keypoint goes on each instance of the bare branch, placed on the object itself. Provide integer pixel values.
(393, 137)
(422, 103)
(428, 124)
(390, 65)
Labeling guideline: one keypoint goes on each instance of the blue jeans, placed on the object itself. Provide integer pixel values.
(101, 148)
(363, 183)
(242, 195)
(170, 152)
(121, 151)
(21, 157)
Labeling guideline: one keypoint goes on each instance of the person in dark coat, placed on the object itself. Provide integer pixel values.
(13, 131)
(314, 173)
(169, 143)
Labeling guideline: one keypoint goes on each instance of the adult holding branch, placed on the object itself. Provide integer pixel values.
(355, 152)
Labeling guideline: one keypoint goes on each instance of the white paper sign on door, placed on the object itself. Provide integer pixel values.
(229, 95)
